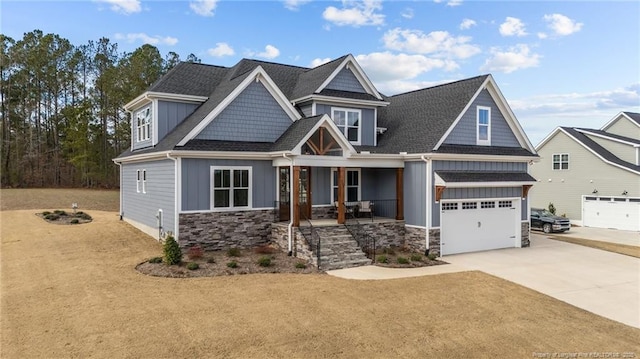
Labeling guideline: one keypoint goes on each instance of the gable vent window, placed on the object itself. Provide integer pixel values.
(560, 161)
(483, 128)
(348, 121)
(143, 124)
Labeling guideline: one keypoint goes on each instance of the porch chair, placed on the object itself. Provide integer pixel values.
(348, 209)
(366, 207)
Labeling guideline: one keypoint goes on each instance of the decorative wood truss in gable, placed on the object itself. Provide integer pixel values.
(321, 142)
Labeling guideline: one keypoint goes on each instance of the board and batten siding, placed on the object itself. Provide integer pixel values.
(160, 194)
(196, 182)
(135, 144)
(170, 114)
(378, 183)
(465, 131)
(415, 187)
(345, 80)
(624, 127)
(478, 192)
(367, 129)
(622, 151)
(253, 116)
(586, 173)
(321, 185)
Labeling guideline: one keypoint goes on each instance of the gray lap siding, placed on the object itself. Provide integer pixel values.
(160, 193)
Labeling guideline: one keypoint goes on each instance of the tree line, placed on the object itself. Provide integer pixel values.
(62, 107)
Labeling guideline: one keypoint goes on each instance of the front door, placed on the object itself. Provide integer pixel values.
(284, 203)
(305, 192)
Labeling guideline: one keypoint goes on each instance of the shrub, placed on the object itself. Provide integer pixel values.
(402, 260)
(83, 215)
(211, 260)
(74, 221)
(60, 212)
(382, 259)
(232, 264)
(172, 251)
(265, 249)
(52, 217)
(45, 213)
(264, 261)
(301, 265)
(155, 260)
(552, 208)
(416, 257)
(195, 252)
(432, 256)
(192, 266)
(389, 251)
(233, 252)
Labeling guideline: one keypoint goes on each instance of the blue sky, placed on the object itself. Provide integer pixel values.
(569, 63)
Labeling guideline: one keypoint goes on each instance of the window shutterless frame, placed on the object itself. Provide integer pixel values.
(231, 188)
(560, 161)
(483, 126)
(349, 121)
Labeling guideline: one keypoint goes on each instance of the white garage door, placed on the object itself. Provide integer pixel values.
(611, 212)
(478, 225)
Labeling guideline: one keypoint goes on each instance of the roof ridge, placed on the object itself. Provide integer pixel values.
(441, 85)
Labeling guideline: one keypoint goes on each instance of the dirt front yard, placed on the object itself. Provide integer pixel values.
(73, 291)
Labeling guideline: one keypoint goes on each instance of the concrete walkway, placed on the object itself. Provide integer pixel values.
(603, 234)
(604, 283)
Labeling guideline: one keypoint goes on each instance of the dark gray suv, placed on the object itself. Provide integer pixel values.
(548, 222)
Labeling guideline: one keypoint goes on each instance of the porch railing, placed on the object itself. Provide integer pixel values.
(366, 241)
(310, 235)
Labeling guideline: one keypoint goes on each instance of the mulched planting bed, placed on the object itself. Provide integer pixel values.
(63, 217)
(393, 258)
(246, 263)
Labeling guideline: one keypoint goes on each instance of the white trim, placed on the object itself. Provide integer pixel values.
(440, 182)
(346, 146)
(341, 100)
(359, 170)
(258, 74)
(335, 161)
(414, 226)
(178, 197)
(163, 96)
(548, 138)
(358, 73)
(480, 142)
(150, 231)
(375, 126)
(144, 180)
(140, 124)
(346, 122)
(231, 188)
(241, 209)
(560, 161)
(457, 120)
(138, 180)
(603, 136)
(313, 109)
(616, 118)
(154, 122)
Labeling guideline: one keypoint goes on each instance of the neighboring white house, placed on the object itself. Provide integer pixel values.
(592, 176)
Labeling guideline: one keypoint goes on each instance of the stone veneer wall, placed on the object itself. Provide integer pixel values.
(222, 230)
(525, 235)
(280, 238)
(415, 237)
(387, 234)
(324, 212)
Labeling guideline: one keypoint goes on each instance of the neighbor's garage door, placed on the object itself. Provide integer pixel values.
(470, 226)
(611, 212)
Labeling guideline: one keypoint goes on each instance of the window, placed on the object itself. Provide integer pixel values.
(469, 205)
(348, 121)
(231, 187)
(352, 185)
(487, 204)
(560, 161)
(143, 124)
(141, 181)
(505, 204)
(483, 131)
(449, 206)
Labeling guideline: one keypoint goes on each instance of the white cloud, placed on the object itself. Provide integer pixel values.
(146, 39)
(407, 13)
(542, 35)
(221, 49)
(355, 13)
(203, 7)
(270, 52)
(385, 66)
(294, 4)
(318, 61)
(562, 25)
(512, 27)
(438, 43)
(466, 24)
(124, 6)
(451, 3)
(515, 58)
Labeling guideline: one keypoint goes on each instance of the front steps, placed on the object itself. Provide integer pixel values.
(338, 248)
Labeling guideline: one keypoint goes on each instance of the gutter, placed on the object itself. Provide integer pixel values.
(290, 226)
(427, 211)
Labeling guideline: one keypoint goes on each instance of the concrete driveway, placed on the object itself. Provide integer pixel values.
(603, 234)
(604, 283)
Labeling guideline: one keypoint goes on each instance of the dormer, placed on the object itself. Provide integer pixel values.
(154, 114)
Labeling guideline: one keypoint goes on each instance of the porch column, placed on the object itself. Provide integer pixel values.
(341, 180)
(295, 196)
(400, 194)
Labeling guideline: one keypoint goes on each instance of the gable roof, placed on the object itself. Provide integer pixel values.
(631, 116)
(610, 136)
(190, 79)
(598, 150)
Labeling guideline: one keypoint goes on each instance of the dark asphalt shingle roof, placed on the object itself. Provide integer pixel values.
(417, 120)
(295, 133)
(610, 135)
(309, 81)
(231, 146)
(484, 150)
(472, 176)
(634, 116)
(190, 79)
(348, 94)
(601, 151)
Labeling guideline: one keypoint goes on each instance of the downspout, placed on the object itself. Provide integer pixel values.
(290, 226)
(176, 197)
(427, 209)
(121, 196)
